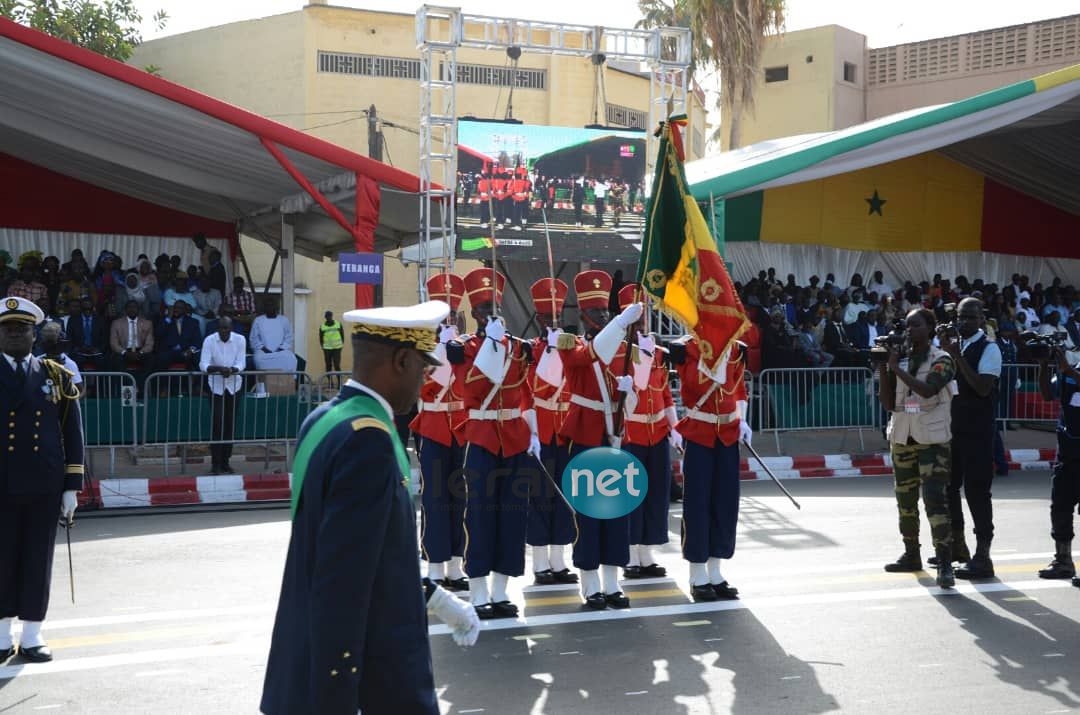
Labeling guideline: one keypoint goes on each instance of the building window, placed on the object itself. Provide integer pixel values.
(776, 74)
(408, 68)
(849, 72)
(621, 116)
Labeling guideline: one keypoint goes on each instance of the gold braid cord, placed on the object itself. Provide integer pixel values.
(420, 338)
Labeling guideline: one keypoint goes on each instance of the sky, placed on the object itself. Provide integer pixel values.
(884, 23)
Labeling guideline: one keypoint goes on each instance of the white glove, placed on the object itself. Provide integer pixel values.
(646, 343)
(629, 315)
(616, 442)
(624, 383)
(675, 439)
(457, 614)
(495, 329)
(745, 433)
(553, 337)
(534, 445)
(448, 333)
(68, 503)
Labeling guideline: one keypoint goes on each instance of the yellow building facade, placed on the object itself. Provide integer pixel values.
(320, 68)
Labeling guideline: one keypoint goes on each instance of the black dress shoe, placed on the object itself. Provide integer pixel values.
(543, 578)
(653, 571)
(702, 593)
(725, 591)
(485, 612)
(565, 576)
(632, 572)
(597, 602)
(36, 654)
(504, 609)
(8, 654)
(1076, 581)
(455, 584)
(617, 600)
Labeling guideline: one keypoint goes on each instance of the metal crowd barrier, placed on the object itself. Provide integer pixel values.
(329, 384)
(109, 412)
(268, 409)
(802, 399)
(1019, 399)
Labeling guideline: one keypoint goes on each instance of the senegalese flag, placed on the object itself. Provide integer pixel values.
(680, 266)
(475, 244)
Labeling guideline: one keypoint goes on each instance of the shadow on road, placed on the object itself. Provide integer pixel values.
(635, 666)
(162, 520)
(771, 527)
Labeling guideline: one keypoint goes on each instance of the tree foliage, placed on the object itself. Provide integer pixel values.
(728, 36)
(108, 27)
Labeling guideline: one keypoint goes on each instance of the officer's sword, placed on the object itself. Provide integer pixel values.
(558, 489)
(769, 472)
(68, 523)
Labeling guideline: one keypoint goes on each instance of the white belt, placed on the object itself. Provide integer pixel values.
(587, 403)
(551, 405)
(652, 419)
(507, 414)
(711, 418)
(441, 406)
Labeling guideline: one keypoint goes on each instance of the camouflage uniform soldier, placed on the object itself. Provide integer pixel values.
(918, 394)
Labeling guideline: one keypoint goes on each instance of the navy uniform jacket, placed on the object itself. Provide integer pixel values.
(351, 625)
(41, 445)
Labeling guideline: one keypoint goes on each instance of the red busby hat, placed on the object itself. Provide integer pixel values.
(478, 287)
(546, 300)
(627, 294)
(593, 289)
(447, 287)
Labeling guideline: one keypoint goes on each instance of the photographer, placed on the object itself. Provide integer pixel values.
(915, 390)
(978, 366)
(1065, 484)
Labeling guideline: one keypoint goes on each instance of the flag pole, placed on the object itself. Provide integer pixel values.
(494, 272)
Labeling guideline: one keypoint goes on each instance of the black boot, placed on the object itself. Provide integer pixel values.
(980, 565)
(1062, 566)
(908, 561)
(960, 553)
(945, 576)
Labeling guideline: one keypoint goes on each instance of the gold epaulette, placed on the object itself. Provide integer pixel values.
(365, 422)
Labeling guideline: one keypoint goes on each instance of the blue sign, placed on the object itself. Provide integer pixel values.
(360, 268)
(605, 483)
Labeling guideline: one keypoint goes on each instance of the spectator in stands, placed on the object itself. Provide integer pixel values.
(71, 311)
(777, 348)
(807, 345)
(1052, 325)
(242, 302)
(237, 327)
(174, 265)
(109, 282)
(178, 340)
(205, 248)
(76, 255)
(1056, 304)
(216, 273)
(207, 302)
(878, 285)
(859, 332)
(272, 340)
(78, 284)
(854, 307)
(7, 273)
(179, 291)
(50, 276)
(133, 291)
(86, 333)
(223, 358)
(131, 341)
(193, 274)
(27, 286)
(1031, 318)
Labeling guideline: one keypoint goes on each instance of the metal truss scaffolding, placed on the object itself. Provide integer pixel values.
(440, 31)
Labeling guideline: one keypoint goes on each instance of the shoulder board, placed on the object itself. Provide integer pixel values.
(361, 423)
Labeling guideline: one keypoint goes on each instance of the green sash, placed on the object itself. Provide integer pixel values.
(361, 408)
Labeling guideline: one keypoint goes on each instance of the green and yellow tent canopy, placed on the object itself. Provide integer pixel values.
(996, 172)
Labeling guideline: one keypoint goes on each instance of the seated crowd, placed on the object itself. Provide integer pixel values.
(827, 324)
(145, 318)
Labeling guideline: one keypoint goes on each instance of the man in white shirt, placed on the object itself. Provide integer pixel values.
(878, 285)
(600, 189)
(1031, 317)
(272, 340)
(222, 359)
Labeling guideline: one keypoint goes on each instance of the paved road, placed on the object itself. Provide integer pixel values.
(174, 612)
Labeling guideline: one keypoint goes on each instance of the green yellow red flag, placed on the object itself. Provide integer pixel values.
(680, 266)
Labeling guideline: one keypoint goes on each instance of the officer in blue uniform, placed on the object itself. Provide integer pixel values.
(1065, 483)
(41, 472)
(351, 629)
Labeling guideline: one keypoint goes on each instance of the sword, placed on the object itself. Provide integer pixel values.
(67, 524)
(558, 488)
(769, 472)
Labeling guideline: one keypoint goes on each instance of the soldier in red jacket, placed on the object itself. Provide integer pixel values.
(520, 188)
(483, 187)
(504, 203)
(594, 376)
(498, 430)
(649, 422)
(551, 522)
(712, 428)
(442, 482)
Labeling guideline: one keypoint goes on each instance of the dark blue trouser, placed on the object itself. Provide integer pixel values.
(442, 496)
(496, 511)
(550, 520)
(27, 537)
(710, 501)
(649, 522)
(600, 541)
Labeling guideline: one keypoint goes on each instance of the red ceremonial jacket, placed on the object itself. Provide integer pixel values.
(651, 404)
(546, 396)
(694, 384)
(585, 425)
(437, 417)
(506, 433)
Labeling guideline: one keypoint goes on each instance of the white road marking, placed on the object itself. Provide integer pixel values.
(930, 665)
(157, 673)
(710, 640)
(533, 636)
(1053, 655)
(791, 677)
(638, 692)
(474, 710)
(179, 615)
(121, 659)
(688, 624)
(48, 707)
(571, 652)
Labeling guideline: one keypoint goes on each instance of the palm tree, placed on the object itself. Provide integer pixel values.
(728, 35)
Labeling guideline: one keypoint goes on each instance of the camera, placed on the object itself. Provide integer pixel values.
(1042, 346)
(950, 328)
(883, 344)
